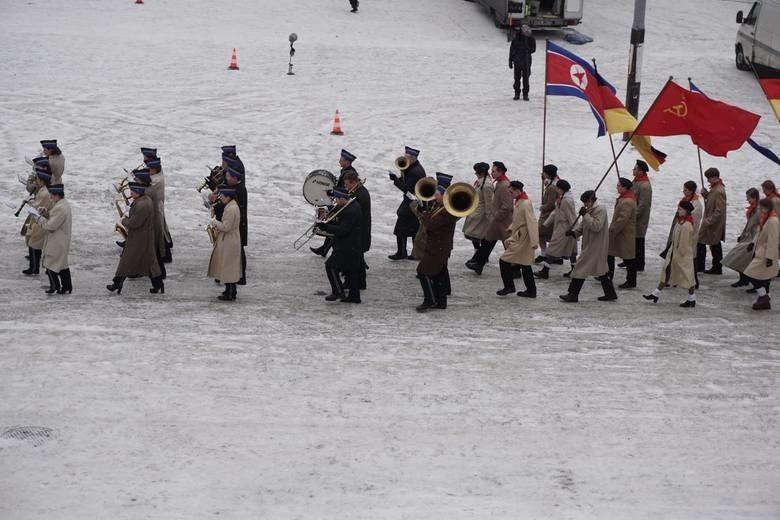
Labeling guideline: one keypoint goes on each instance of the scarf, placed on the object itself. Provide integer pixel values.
(718, 182)
(690, 199)
(642, 177)
(751, 208)
(628, 194)
(766, 216)
(523, 196)
(683, 220)
(502, 178)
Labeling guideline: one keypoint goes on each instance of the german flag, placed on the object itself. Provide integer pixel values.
(769, 79)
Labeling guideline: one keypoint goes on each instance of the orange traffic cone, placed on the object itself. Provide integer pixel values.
(337, 124)
(233, 61)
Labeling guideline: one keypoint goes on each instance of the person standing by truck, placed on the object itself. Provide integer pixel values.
(520, 52)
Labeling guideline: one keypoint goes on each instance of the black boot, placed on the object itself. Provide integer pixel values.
(400, 254)
(67, 286)
(630, 282)
(609, 289)
(158, 286)
(233, 291)
(117, 284)
(507, 277)
(543, 273)
(639, 246)
(227, 294)
(429, 299)
(31, 268)
(530, 283)
(575, 286)
(54, 282)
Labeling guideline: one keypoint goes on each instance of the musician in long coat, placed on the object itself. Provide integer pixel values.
(144, 176)
(499, 220)
(678, 268)
(713, 226)
(347, 249)
(235, 180)
(139, 257)
(549, 198)
(35, 235)
(763, 267)
(742, 253)
(562, 245)
(521, 244)
(225, 261)
(345, 163)
(56, 245)
(158, 187)
(56, 160)
(475, 225)
(622, 233)
(594, 229)
(406, 224)
(432, 270)
(357, 189)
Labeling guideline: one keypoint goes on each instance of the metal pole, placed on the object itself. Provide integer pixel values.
(635, 60)
(544, 118)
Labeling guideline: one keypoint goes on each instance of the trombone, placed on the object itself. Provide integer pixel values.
(311, 231)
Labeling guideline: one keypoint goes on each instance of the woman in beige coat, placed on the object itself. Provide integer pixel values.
(56, 245)
(520, 246)
(225, 262)
(678, 265)
(499, 217)
(763, 267)
(562, 219)
(475, 225)
(742, 253)
(35, 235)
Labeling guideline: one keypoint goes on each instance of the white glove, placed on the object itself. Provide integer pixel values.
(32, 211)
(409, 195)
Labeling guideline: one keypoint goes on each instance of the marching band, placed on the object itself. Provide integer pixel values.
(495, 209)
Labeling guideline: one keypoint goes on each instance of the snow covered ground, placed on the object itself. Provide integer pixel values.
(282, 406)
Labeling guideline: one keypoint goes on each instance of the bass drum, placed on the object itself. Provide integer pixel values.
(316, 187)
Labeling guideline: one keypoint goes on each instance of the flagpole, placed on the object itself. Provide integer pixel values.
(698, 149)
(631, 135)
(609, 136)
(544, 120)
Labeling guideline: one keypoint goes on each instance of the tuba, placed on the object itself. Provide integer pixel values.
(403, 163)
(425, 189)
(460, 200)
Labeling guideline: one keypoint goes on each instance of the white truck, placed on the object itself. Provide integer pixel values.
(758, 36)
(534, 13)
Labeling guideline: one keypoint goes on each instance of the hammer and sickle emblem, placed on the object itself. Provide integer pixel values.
(680, 110)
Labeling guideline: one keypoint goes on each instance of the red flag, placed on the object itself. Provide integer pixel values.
(714, 126)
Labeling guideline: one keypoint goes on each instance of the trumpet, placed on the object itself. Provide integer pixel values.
(216, 175)
(402, 163)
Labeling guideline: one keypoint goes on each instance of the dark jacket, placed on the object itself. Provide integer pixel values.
(340, 181)
(440, 229)
(363, 199)
(520, 51)
(241, 201)
(407, 223)
(139, 256)
(347, 239)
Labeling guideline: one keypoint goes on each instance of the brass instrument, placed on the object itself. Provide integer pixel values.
(216, 175)
(425, 189)
(212, 231)
(403, 163)
(312, 230)
(119, 228)
(459, 200)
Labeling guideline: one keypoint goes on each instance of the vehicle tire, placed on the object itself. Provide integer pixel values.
(740, 60)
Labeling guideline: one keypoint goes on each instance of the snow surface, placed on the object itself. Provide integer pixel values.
(283, 406)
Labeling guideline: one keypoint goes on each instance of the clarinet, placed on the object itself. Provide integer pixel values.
(24, 203)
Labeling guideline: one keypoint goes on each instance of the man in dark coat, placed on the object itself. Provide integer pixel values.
(354, 4)
(347, 245)
(362, 197)
(432, 269)
(345, 162)
(229, 152)
(520, 52)
(139, 256)
(406, 225)
(235, 179)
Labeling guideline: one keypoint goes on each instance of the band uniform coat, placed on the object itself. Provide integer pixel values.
(622, 229)
(644, 202)
(138, 255)
(363, 200)
(56, 246)
(57, 166)
(158, 184)
(549, 197)
(501, 212)
(156, 195)
(406, 224)
(440, 230)
(742, 253)
(225, 261)
(765, 248)
(347, 239)
(713, 226)
(562, 219)
(680, 257)
(35, 235)
(475, 226)
(418, 244)
(523, 235)
(594, 229)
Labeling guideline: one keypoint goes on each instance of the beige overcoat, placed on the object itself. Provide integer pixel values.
(713, 225)
(622, 229)
(57, 165)
(56, 245)
(475, 226)
(156, 192)
(421, 237)
(523, 235)
(501, 212)
(549, 197)
(766, 248)
(36, 235)
(644, 201)
(225, 262)
(594, 228)
(742, 253)
(562, 218)
(680, 257)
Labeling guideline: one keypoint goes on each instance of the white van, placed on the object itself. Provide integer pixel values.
(758, 37)
(534, 13)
